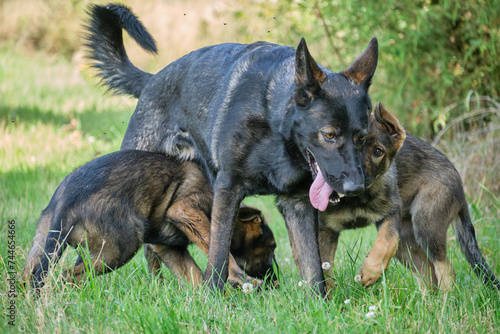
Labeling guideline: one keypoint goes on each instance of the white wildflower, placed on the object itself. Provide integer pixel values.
(287, 261)
(91, 139)
(325, 265)
(370, 314)
(347, 301)
(373, 308)
(247, 288)
(357, 278)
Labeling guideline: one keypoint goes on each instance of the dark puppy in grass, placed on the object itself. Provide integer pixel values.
(429, 190)
(115, 203)
(264, 118)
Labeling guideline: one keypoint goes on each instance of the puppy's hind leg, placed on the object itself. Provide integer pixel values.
(103, 253)
(415, 258)
(430, 234)
(153, 260)
(180, 261)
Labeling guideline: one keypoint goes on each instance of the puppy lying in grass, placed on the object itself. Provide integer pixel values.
(116, 203)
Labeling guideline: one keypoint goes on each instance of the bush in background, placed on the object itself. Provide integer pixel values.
(438, 67)
(432, 52)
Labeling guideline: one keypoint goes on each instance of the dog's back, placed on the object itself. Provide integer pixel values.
(424, 171)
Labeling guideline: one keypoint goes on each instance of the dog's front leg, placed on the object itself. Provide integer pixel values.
(302, 224)
(227, 198)
(328, 240)
(382, 251)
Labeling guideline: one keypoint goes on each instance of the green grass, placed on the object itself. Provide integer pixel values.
(53, 118)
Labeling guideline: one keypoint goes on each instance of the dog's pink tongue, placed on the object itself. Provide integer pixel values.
(320, 192)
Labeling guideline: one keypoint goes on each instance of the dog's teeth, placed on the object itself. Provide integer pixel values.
(334, 200)
(340, 195)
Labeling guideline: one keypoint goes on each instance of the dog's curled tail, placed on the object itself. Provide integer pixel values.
(104, 41)
(468, 243)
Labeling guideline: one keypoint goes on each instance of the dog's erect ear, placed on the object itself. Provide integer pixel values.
(362, 69)
(308, 75)
(391, 124)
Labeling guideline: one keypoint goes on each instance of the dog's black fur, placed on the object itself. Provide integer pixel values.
(263, 118)
(117, 202)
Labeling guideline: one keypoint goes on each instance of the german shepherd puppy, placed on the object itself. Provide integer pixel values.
(431, 197)
(117, 202)
(264, 119)
(379, 204)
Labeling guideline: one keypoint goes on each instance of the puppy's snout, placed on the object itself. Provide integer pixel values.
(353, 189)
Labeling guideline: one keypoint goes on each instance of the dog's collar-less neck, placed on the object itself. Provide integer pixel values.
(287, 121)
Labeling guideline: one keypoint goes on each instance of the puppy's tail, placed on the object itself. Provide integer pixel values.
(468, 243)
(104, 41)
(36, 252)
(55, 244)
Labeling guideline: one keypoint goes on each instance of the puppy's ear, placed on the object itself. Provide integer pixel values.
(249, 215)
(391, 124)
(362, 69)
(308, 75)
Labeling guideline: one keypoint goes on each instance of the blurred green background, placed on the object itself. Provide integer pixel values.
(438, 69)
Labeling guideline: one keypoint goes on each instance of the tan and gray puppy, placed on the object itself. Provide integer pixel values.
(433, 198)
(414, 175)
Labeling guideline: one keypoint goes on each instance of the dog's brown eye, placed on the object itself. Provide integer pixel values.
(330, 136)
(362, 139)
(378, 152)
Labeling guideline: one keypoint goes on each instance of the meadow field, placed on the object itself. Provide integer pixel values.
(55, 117)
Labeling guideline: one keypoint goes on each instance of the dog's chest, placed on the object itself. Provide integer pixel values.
(360, 211)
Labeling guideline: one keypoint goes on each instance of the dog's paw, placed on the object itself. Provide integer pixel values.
(367, 277)
(237, 281)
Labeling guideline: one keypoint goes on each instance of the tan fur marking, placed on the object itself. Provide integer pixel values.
(181, 211)
(180, 262)
(380, 255)
(445, 274)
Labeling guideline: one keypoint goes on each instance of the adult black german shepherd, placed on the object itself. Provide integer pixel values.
(117, 202)
(264, 119)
